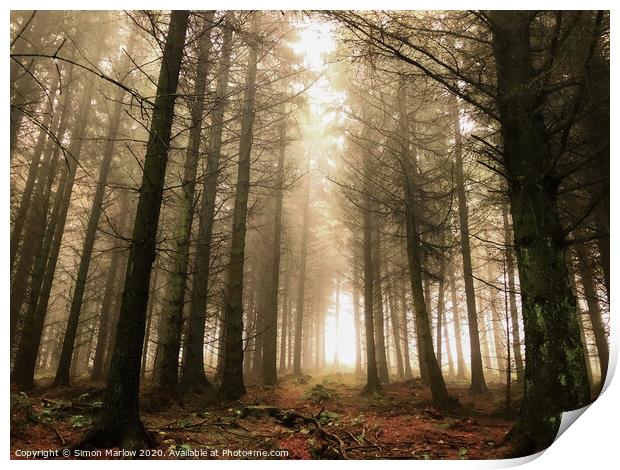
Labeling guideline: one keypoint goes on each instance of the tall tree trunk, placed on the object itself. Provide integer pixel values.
(483, 328)
(115, 309)
(555, 372)
(35, 223)
(259, 322)
(105, 317)
(22, 93)
(250, 331)
(22, 85)
(270, 340)
(48, 247)
(405, 335)
(380, 344)
(318, 324)
(119, 423)
(594, 310)
(440, 312)
(232, 386)
(286, 315)
(193, 375)
(425, 347)
(396, 330)
(337, 326)
(498, 333)
(478, 384)
(448, 347)
(62, 377)
(373, 385)
(512, 294)
(582, 333)
(301, 293)
(49, 124)
(165, 371)
(357, 321)
(598, 127)
(150, 314)
(461, 368)
(27, 218)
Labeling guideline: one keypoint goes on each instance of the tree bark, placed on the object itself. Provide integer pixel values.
(478, 384)
(193, 375)
(166, 368)
(425, 347)
(232, 386)
(373, 385)
(405, 324)
(582, 334)
(119, 423)
(49, 125)
(594, 310)
(461, 368)
(286, 318)
(105, 317)
(299, 310)
(28, 218)
(62, 377)
(357, 321)
(498, 333)
(555, 372)
(512, 294)
(380, 344)
(396, 329)
(440, 313)
(48, 246)
(270, 339)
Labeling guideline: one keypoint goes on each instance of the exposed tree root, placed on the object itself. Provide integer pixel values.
(291, 418)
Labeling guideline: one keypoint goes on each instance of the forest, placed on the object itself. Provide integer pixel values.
(306, 234)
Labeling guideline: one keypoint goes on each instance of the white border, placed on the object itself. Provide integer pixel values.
(592, 443)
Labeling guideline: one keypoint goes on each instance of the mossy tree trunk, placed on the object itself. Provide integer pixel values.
(166, 368)
(119, 423)
(555, 372)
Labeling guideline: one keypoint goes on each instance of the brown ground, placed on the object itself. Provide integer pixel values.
(401, 423)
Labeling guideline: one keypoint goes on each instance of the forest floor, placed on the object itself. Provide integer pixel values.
(312, 418)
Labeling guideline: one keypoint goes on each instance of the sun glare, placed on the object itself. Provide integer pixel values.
(341, 339)
(315, 41)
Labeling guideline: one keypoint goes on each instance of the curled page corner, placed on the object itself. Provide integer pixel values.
(517, 461)
(568, 418)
